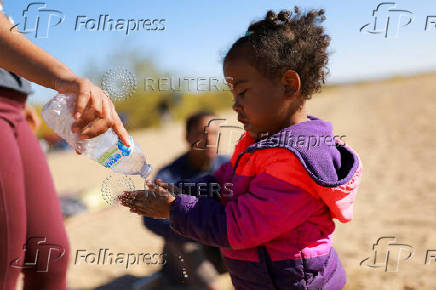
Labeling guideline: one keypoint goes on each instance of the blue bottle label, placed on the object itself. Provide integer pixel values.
(114, 154)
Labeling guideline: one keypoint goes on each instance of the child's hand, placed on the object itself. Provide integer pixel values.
(154, 202)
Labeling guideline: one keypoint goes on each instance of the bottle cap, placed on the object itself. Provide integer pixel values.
(146, 170)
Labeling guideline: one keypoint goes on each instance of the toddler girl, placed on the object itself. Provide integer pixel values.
(289, 176)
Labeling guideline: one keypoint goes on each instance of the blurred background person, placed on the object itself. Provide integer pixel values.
(202, 263)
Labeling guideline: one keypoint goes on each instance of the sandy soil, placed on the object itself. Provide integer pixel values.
(390, 124)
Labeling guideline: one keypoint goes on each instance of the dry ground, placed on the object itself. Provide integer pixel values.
(390, 123)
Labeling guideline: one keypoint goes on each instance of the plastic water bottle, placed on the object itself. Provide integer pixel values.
(106, 148)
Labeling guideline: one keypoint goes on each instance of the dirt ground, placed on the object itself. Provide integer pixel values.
(389, 123)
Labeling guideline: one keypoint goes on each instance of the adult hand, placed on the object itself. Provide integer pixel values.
(155, 202)
(93, 105)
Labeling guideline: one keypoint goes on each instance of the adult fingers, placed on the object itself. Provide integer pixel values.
(118, 127)
(83, 98)
(106, 109)
(98, 127)
(96, 101)
(87, 117)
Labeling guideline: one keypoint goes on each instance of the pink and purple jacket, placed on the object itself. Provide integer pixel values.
(278, 196)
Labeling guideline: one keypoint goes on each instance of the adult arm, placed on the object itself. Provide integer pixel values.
(20, 56)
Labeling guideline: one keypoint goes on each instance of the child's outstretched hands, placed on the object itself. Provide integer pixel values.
(155, 202)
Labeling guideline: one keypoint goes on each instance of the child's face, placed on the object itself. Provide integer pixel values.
(262, 104)
(204, 143)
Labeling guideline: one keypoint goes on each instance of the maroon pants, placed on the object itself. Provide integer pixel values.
(32, 234)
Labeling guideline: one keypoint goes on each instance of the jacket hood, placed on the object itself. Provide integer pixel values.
(329, 162)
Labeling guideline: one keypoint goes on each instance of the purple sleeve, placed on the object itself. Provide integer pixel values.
(202, 219)
(270, 208)
(224, 173)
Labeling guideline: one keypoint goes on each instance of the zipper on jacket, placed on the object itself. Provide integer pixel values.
(304, 270)
(237, 160)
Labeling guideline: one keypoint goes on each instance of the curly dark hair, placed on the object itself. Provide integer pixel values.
(196, 117)
(285, 41)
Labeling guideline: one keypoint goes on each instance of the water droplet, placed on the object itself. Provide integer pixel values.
(113, 186)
